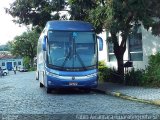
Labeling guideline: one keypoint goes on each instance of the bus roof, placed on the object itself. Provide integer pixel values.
(69, 26)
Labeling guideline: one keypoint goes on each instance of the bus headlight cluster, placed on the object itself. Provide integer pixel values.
(70, 77)
(51, 74)
(92, 75)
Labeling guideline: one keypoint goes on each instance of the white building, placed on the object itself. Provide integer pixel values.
(7, 61)
(140, 45)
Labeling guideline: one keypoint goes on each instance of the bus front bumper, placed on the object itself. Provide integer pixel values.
(88, 81)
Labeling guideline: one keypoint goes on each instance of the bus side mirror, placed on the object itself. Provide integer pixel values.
(100, 41)
(44, 43)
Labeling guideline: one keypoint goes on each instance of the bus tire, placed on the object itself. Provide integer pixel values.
(87, 90)
(41, 85)
(48, 90)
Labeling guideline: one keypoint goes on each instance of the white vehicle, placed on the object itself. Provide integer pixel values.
(5, 72)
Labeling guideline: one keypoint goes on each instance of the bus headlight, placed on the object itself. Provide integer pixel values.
(51, 74)
(92, 75)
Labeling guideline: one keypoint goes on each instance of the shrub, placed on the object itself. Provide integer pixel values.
(152, 75)
(114, 76)
(26, 62)
(149, 77)
(107, 74)
(102, 68)
(134, 77)
(32, 69)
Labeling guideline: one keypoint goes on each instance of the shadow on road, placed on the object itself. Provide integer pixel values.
(66, 91)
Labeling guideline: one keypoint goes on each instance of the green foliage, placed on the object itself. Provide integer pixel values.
(4, 48)
(154, 12)
(35, 12)
(149, 77)
(101, 64)
(25, 45)
(107, 74)
(134, 77)
(80, 9)
(103, 70)
(113, 15)
(26, 62)
(118, 16)
(32, 69)
(152, 75)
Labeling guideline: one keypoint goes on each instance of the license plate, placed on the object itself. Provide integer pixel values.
(73, 83)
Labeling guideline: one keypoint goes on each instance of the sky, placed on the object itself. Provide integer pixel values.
(8, 29)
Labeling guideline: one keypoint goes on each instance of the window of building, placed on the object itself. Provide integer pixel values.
(3, 63)
(135, 44)
(19, 63)
(111, 54)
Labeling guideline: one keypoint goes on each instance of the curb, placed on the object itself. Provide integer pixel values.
(127, 97)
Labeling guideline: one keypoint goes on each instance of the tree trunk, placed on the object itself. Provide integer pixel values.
(119, 53)
(32, 62)
(120, 67)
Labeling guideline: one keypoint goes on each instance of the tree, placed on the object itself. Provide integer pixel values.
(80, 8)
(35, 12)
(118, 17)
(154, 9)
(25, 45)
(4, 47)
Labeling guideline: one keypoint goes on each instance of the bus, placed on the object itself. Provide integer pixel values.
(67, 56)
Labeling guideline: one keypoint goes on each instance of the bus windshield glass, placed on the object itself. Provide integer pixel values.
(71, 50)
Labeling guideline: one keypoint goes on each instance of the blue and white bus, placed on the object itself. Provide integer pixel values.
(67, 56)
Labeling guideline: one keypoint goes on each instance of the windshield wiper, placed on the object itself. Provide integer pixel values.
(81, 62)
(68, 56)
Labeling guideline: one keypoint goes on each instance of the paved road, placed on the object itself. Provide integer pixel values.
(21, 94)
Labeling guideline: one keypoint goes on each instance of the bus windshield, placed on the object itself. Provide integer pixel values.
(71, 50)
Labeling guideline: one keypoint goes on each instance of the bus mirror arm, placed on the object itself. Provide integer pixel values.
(100, 43)
(44, 43)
